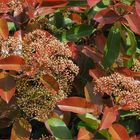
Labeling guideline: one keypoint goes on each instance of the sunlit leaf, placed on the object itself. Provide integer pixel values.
(106, 16)
(50, 83)
(137, 6)
(7, 86)
(133, 22)
(91, 3)
(59, 129)
(84, 134)
(13, 62)
(54, 3)
(76, 18)
(4, 32)
(90, 120)
(77, 105)
(118, 132)
(109, 116)
(128, 72)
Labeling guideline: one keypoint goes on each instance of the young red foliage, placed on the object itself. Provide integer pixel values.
(91, 3)
(118, 132)
(4, 32)
(13, 62)
(77, 105)
(50, 83)
(7, 86)
(110, 116)
(83, 134)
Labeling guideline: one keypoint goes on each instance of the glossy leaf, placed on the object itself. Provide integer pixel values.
(106, 16)
(4, 32)
(90, 120)
(118, 132)
(59, 129)
(112, 47)
(84, 134)
(54, 3)
(13, 62)
(128, 72)
(130, 41)
(133, 22)
(77, 105)
(137, 6)
(76, 18)
(50, 83)
(109, 116)
(7, 87)
(91, 3)
(21, 130)
(77, 32)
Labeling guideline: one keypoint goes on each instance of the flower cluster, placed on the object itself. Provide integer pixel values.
(125, 88)
(136, 66)
(12, 5)
(43, 54)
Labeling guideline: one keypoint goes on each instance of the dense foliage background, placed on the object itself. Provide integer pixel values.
(103, 101)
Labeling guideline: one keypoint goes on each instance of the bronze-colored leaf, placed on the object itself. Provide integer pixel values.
(21, 130)
(13, 62)
(7, 86)
(50, 83)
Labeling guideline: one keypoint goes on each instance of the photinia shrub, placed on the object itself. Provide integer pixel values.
(71, 66)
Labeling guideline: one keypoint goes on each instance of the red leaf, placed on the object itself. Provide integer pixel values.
(91, 3)
(31, 3)
(133, 22)
(13, 62)
(4, 1)
(129, 72)
(73, 48)
(106, 16)
(137, 6)
(118, 132)
(50, 83)
(76, 18)
(110, 116)
(100, 41)
(92, 53)
(83, 134)
(43, 11)
(77, 105)
(96, 73)
(7, 87)
(77, 9)
(54, 3)
(4, 32)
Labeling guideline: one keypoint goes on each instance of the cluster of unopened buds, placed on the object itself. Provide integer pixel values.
(125, 89)
(43, 54)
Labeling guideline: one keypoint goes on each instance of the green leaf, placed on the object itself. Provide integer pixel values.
(59, 129)
(73, 3)
(77, 32)
(58, 19)
(130, 42)
(90, 120)
(112, 47)
(103, 134)
(11, 26)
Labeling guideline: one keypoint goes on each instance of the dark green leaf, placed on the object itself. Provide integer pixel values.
(77, 32)
(112, 47)
(90, 120)
(59, 129)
